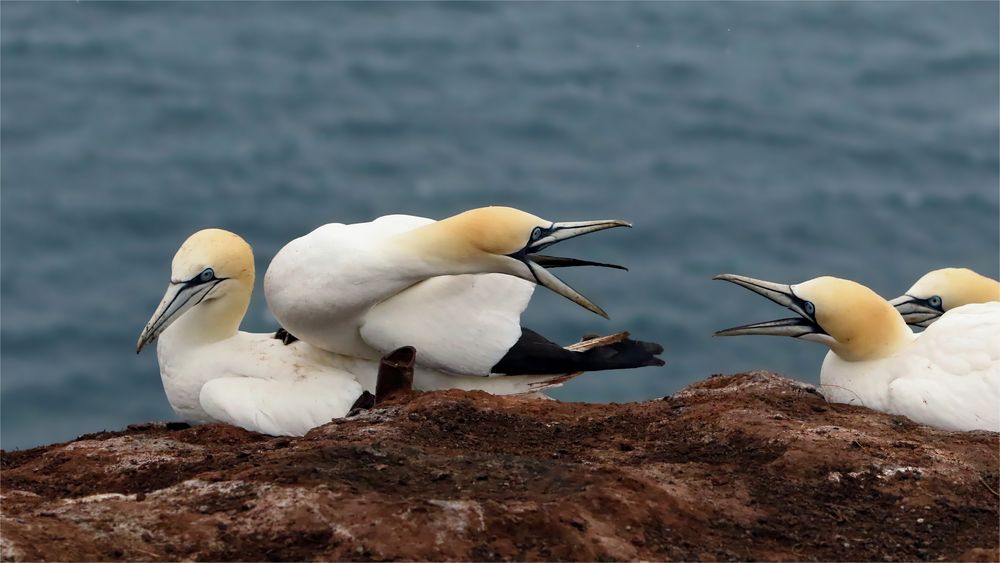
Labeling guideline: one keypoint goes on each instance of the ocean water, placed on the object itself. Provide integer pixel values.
(778, 140)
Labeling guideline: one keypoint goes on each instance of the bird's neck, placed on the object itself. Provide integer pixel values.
(438, 249)
(210, 321)
(981, 290)
(877, 336)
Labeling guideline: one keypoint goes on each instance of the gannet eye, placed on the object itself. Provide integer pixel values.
(536, 234)
(206, 275)
(809, 308)
(935, 301)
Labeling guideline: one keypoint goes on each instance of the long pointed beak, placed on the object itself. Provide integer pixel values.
(178, 299)
(794, 327)
(781, 294)
(915, 311)
(565, 231)
(558, 232)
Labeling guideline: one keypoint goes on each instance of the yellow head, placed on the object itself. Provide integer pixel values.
(494, 230)
(503, 240)
(212, 272)
(942, 290)
(860, 323)
(226, 253)
(848, 317)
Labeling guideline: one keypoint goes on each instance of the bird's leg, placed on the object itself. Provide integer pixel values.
(284, 336)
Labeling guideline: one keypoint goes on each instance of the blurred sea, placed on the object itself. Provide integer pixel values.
(778, 140)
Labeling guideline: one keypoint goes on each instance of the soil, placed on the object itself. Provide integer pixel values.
(750, 466)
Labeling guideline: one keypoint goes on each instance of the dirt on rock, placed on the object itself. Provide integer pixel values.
(750, 466)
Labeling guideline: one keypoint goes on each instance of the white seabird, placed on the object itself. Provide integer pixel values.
(454, 289)
(213, 372)
(940, 291)
(947, 377)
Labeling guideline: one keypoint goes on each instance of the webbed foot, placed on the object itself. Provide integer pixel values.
(285, 336)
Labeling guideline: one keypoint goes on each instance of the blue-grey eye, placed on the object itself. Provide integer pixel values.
(935, 301)
(809, 308)
(536, 233)
(206, 275)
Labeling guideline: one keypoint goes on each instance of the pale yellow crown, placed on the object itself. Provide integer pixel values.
(495, 230)
(956, 287)
(863, 325)
(226, 253)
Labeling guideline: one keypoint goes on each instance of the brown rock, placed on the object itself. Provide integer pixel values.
(739, 467)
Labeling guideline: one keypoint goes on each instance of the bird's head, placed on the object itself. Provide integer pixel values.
(942, 290)
(508, 240)
(854, 321)
(212, 266)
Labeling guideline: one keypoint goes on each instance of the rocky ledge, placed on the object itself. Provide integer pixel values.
(750, 466)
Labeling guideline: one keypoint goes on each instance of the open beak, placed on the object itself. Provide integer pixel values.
(538, 264)
(916, 311)
(781, 294)
(179, 298)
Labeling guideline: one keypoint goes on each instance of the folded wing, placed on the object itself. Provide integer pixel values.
(953, 376)
(461, 324)
(279, 408)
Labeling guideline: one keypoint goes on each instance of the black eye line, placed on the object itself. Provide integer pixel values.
(196, 280)
(542, 233)
(802, 305)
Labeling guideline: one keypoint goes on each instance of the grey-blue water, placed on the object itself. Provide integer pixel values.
(778, 140)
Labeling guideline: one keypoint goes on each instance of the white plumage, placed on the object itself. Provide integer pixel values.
(254, 381)
(455, 289)
(213, 372)
(461, 324)
(949, 377)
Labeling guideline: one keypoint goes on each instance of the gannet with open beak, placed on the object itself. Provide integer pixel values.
(454, 289)
(948, 376)
(212, 371)
(940, 291)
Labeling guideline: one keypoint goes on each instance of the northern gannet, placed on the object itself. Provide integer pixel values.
(454, 289)
(212, 371)
(948, 376)
(940, 291)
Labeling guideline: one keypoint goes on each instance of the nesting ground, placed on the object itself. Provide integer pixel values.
(751, 466)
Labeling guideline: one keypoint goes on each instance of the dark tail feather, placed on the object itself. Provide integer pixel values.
(621, 355)
(533, 354)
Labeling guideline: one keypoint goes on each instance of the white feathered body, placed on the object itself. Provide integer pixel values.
(255, 382)
(258, 383)
(346, 289)
(948, 377)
